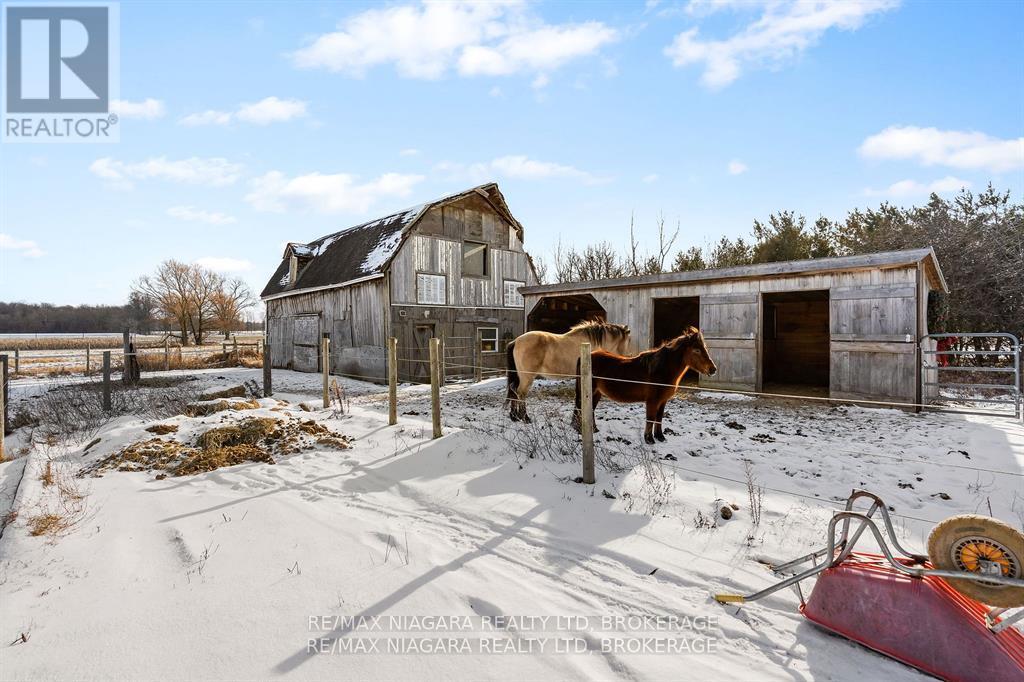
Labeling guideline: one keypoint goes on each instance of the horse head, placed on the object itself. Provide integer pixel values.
(618, 338)
(695, 352)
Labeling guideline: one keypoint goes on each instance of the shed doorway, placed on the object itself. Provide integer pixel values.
(557, 314)
(670, 317)
(796, 342)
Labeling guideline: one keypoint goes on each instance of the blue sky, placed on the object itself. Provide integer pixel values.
(246, 125)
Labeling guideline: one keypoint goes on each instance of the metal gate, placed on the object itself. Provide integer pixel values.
(1008, 395)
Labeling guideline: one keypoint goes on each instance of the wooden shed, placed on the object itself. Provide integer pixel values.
(847, 327)
(450, 268)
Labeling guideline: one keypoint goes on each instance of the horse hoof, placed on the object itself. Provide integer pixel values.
(649, 439)
(513, 416)
(660, 437)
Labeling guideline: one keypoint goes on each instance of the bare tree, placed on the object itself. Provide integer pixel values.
(228, 304)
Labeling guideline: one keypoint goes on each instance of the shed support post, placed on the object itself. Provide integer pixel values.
(392, 381)
(326, 363)
(435, 388)
(587, 413)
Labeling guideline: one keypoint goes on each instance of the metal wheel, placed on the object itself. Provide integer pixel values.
(980, 544)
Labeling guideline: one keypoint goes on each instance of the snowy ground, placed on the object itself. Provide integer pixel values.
(249, 572)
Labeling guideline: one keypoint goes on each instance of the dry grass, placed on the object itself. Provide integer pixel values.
(233, 392)
(47, 524)
(254, 439)
(203, 409)
(78, 342)
(163, 429)
(46, 478)
(150, 360)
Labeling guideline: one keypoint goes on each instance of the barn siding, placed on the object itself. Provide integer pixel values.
(874, 325)
(354, 316)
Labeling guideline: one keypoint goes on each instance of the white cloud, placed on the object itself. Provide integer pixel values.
(337, 193)
(653, 177)
(516, 166)
(430, 39)
(195, 215)
(216, 171)
(409, 152)
(540, 82)
(221, 264)
(24, 247)
(783, 31)
(909, 188)
(148, 108)
(736, 167)
(953, 148)
(268, 110)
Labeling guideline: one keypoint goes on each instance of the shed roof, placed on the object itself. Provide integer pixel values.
(886, 259)
(365, 250)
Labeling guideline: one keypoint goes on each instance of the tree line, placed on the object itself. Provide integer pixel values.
(184, 300)
(978, 239)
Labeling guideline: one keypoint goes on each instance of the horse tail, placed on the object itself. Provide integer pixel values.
(512, 374)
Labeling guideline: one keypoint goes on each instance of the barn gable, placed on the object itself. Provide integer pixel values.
(366, 250)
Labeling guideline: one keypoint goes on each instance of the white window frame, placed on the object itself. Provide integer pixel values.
(514, 290)
(422, 291)
(480, 339)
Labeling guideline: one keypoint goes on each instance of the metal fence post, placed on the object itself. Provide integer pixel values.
(435, 389)
(392, 381)
(587, 413)
(106, 381)
(326, 362)
(268, 389)
(442, 361)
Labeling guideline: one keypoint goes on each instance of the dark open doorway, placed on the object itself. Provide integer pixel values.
(796, 342)
(670, 317)
(558, 313)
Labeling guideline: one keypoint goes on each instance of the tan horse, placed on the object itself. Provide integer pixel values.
(554, 356)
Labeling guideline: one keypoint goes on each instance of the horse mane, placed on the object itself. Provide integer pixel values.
(655, 357)
(598, 330)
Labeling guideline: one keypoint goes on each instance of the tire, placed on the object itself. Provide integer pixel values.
(956, 543)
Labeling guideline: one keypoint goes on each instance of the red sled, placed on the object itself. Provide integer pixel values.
(903, 607)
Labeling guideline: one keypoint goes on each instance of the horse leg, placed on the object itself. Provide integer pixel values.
(519, 406)
(659, 416)
(597, 397)
(652, 415)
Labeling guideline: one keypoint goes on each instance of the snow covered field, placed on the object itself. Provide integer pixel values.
(317, 565)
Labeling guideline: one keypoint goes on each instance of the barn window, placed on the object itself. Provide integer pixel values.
(474, 259)
(513, 299)
(488, 339)
(430, 289)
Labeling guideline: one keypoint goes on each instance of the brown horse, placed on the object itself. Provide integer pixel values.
(543, 354)
(629, 380)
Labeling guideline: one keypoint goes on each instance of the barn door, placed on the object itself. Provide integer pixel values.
(729, 322)
(422, 334)
(306, 343)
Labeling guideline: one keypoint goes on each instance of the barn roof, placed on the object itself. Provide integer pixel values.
(363, 251)
(887, 259)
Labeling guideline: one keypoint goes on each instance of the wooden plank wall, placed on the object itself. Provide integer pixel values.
(873, 324)
(354, 316)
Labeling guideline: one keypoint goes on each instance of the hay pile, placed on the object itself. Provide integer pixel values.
(254, 439)
(204, 409)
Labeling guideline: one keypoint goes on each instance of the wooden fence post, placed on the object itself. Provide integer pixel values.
(326, 362)
(268, 389)
(392, 381)
(5, 397)
(167, 356)
(234, 341)
(88, 359)
(17, 361)
(587, 413)
(478, 359)
(441, 352)
(106, 381)
(435, 388)
(3, 425)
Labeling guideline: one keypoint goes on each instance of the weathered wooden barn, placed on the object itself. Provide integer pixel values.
(846, 327)
(450, 268)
